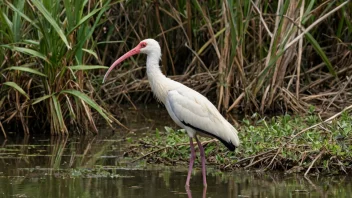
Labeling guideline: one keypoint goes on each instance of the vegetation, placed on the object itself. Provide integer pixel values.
(46, 46)
(248, 56)
(264, 56)
(83, 166)
(289, 143)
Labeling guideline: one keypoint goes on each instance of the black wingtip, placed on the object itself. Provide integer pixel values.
(229, 145)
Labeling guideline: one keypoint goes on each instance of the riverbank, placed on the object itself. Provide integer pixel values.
(293, 144)
(100, 166)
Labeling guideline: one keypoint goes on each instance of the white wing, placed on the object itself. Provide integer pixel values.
(189, 108)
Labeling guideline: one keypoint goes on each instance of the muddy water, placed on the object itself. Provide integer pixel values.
(83, 166)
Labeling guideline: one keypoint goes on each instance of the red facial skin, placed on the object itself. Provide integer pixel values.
(132, 52)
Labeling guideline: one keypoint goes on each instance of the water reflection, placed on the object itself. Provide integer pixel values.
(189, 193)
(97, 166)
(86, 166)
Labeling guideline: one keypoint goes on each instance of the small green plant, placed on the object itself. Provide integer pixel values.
(281, 143)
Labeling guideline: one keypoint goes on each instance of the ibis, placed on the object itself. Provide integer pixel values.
(188, 109)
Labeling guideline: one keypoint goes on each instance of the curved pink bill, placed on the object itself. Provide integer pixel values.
(132, 52)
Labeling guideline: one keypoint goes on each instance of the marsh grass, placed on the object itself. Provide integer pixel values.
(246, 56)
(46, 48)
(289, 143)
(255, 56)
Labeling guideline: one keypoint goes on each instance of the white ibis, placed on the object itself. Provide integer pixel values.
(188, 108)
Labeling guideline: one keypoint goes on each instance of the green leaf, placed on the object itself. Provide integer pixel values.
(58, 111)
(18, 88)
(91, 52)
(26, 69)
(14, 8)
(169, 129)
(89, 101)
(37, 100)
(2, 100)
(109, 42)
(6, 21)
(307, 13)
(85, 18)
(93, 27)
(32, 42)
(321, 53)
(87, 67)
(27, 51)
(51, 20)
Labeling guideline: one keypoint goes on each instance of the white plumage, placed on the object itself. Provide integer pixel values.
(193, 109)
(188, 108)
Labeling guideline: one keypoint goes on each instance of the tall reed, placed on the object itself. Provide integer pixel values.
(254, 56)
(261, 56)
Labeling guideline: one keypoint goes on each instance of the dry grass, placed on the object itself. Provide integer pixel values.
(253, 56)
(246, 56)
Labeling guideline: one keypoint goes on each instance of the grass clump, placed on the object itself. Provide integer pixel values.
(288, 143)
(45, 55)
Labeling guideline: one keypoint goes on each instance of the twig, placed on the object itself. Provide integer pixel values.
(340, 91)
(329, 76)
(306, 129)
(166, 147)
(262, 20)
(320, 123)
(311, 165)
(254, 156)
(201, 61)
(255, 162)
(314, 24)
(3, 130)
(237, 101)
(312, 97)
(166, 44)
(272, 160)
(300, 51)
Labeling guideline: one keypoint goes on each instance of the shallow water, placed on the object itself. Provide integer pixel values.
(95, 166)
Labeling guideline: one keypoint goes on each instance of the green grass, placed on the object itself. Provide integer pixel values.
(287, 143)
(46, 50)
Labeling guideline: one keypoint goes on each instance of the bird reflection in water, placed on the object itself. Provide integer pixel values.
(189, 193)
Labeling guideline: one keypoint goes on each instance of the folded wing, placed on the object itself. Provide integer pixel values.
(196, 111)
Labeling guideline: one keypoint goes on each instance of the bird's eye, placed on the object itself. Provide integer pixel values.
(143, 45)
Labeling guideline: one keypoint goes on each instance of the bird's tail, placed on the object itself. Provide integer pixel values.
(229, 145)
(230, 139)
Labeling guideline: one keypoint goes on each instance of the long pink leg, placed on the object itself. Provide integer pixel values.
(202, 155)
(191, 161)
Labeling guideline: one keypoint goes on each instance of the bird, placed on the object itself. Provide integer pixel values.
(189, 109)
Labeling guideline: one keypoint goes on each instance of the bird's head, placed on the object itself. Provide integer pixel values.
(147, 46)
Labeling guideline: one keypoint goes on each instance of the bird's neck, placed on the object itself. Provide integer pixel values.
(159, 83)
